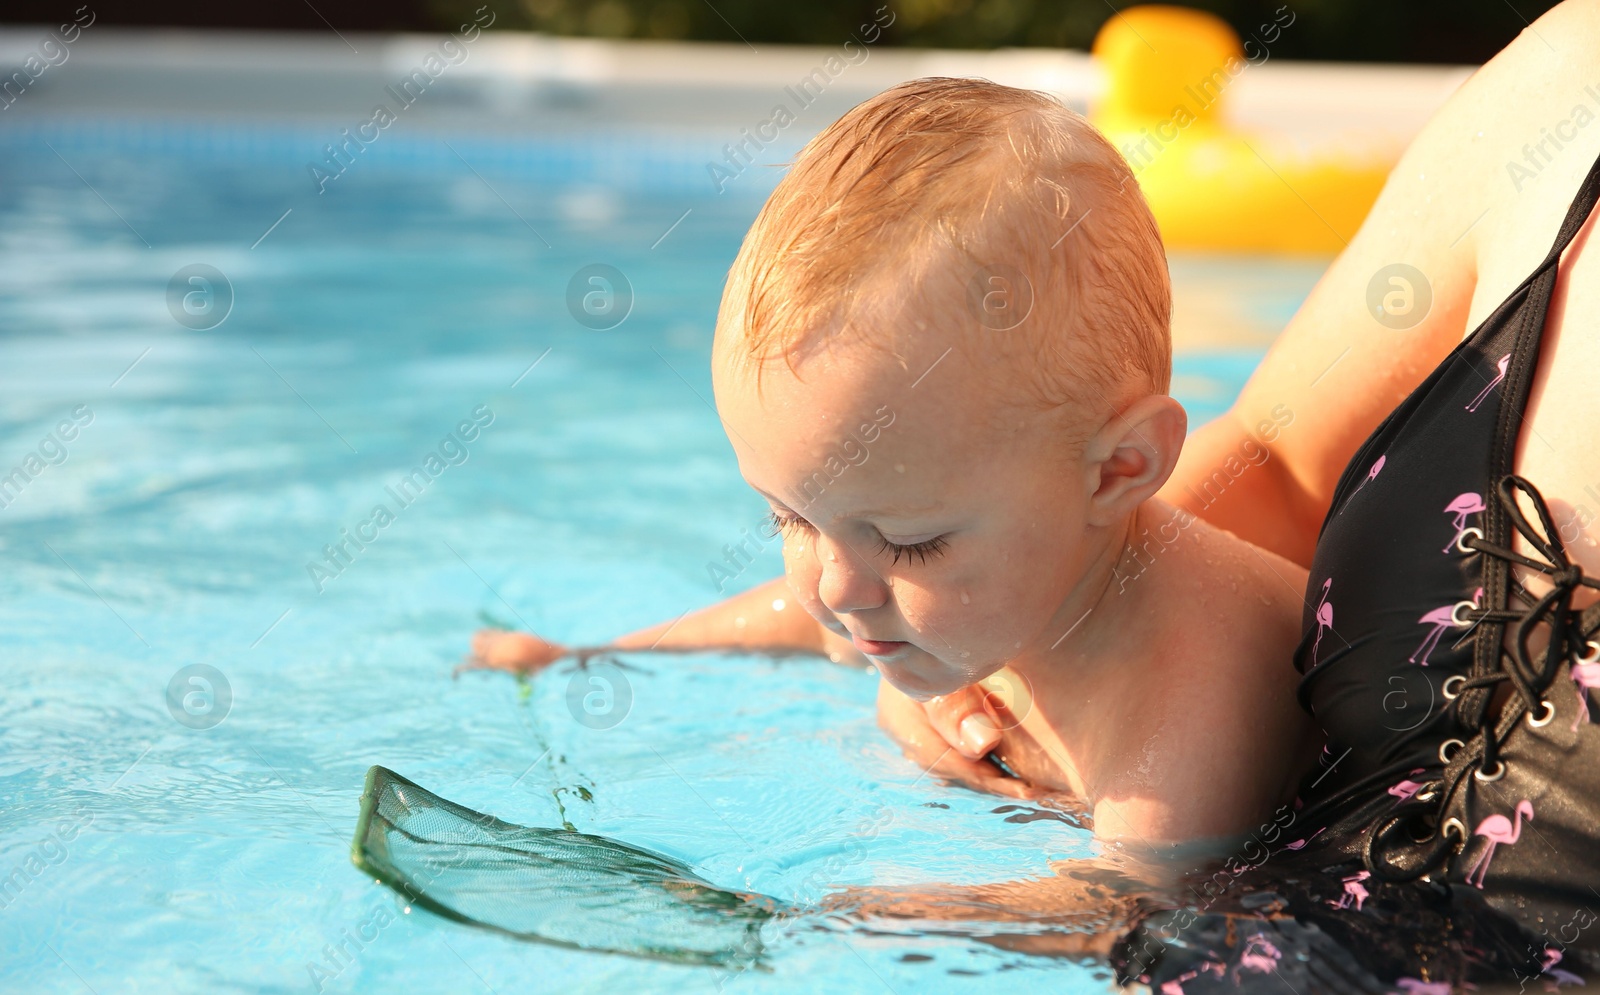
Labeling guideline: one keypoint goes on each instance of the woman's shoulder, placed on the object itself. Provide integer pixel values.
(1573, 15)
(1561, 43)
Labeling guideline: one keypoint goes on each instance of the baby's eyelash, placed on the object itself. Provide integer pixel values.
(782, 525)
(921, 550)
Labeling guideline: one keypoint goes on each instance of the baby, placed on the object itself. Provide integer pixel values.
(942, 357)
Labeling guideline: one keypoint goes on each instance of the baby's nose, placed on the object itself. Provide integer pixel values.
(848, 583)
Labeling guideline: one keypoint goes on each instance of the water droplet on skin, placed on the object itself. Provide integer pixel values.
(899, 468)
(1235, 585)
(833, 656)
(778, 604)
(833, 557)
(739, 622)
(965, 599)
(1018, 645)
(965, 654)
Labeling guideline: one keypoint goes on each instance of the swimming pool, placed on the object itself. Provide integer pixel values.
(147, 846)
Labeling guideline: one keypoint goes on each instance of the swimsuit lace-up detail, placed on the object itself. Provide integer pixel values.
(1570, 640)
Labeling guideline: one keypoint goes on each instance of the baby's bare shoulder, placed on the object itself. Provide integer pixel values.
(1232, 592)
(1218, 737)
(1235, 611)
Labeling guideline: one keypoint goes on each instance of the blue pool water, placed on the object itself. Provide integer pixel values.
(209, 467)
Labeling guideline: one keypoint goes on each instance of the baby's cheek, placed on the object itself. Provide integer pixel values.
(800, 569)
(945, 624)
(978, 632)
(1023, 595)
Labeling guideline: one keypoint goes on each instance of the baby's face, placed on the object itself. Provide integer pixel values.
(941, 544)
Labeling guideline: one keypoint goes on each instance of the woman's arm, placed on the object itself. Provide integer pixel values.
(1336, 371)
(765, 619)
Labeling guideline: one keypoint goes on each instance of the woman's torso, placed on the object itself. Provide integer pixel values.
(1559, 442)
(1396, 568)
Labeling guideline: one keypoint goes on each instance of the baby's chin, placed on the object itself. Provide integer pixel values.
(924, 683)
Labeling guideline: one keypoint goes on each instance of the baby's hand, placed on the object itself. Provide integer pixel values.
(522, 652)
(938, 737)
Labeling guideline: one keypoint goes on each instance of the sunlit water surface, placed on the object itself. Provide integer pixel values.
(178, 528)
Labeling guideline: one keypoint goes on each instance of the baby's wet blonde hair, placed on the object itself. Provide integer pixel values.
(894, 210)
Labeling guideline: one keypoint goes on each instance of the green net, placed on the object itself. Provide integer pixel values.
(549, 885)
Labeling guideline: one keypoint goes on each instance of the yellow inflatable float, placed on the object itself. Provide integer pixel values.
(1209, 185)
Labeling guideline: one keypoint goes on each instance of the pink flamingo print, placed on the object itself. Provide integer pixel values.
(1175, 986)
(1259, 955)
(1354, 891)
(1405, 789)
(1378, 465)
(1501, 366)
(1324, 618)
(1587, 677)
(1498, 829)
(1441, 619)
(1552, 957)
(1464, 505)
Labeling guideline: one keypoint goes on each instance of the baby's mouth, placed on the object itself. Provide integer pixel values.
(882, 648)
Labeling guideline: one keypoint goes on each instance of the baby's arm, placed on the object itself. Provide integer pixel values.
(765, 619)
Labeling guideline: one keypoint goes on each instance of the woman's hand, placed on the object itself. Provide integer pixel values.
(949, 736)
(520, 652)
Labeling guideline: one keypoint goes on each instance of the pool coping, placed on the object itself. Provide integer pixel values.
(519, 81)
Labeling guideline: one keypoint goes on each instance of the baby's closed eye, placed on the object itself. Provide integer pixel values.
(787, 524)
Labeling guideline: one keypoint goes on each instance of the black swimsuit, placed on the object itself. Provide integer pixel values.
(1409, 595)
(1439, 841)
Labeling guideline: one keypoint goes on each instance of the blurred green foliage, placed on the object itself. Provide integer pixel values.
(1361, 30)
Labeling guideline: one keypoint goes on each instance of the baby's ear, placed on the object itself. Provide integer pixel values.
(1137, 451)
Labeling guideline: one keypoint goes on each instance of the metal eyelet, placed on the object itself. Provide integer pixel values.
(1455, 613)
(1463, 534)
(1454, 825)
(1426, 796)
(1451, 694)
(1499, 772)
(1445, 753)
(1547, 710)
(1593, 656)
